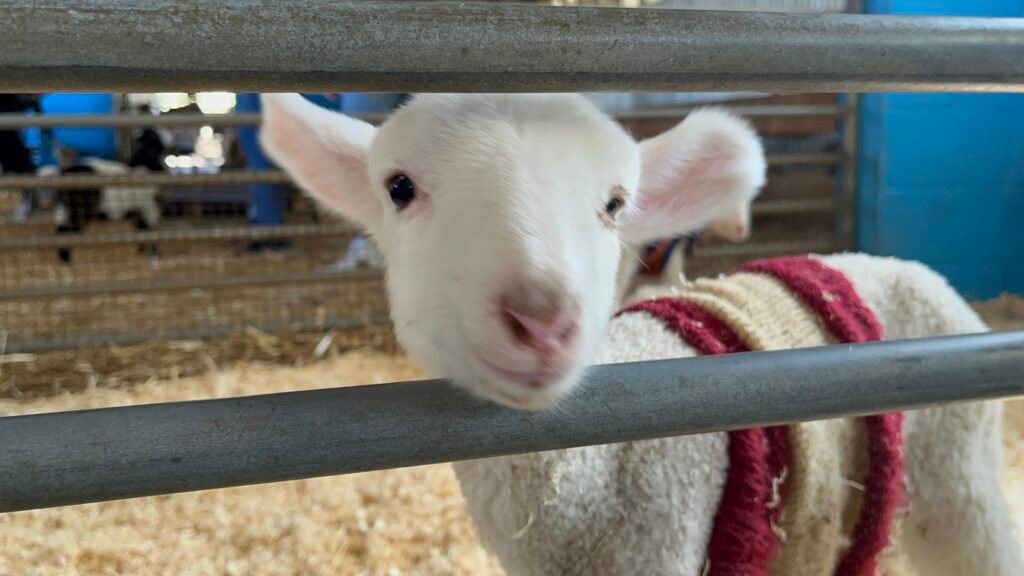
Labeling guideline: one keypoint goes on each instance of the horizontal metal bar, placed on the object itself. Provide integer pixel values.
(191, 235)
(80, 289)
(750, 111)
(93, 455)
(786, 207)
(235, 177)
(766, 208)
(335, 45)
(800, 159)
(82, 181)
(15, 121)
(758, 249)
(35, 345)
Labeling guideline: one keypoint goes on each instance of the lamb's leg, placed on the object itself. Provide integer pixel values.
(959, 521)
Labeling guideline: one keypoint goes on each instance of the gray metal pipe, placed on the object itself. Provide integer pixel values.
(171, 235)
(335, 45)
(15, 121)
(83, 181)
(794, 206)
(93, 455)
(238, 177)
(764, 249)
(85, 289)
(285, 278)
(765, 208)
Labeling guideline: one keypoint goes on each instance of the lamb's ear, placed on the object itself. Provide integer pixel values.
(734, 226)
(693, 174)
(325, 152)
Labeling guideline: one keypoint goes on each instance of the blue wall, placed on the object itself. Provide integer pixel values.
(941, 176)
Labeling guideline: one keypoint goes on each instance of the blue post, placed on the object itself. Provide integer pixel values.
(99, 142)
(268, 201)
(941, 176)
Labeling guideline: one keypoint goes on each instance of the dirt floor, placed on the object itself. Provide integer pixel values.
(408, 522)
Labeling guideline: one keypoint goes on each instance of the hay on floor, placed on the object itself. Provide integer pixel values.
(409, 522)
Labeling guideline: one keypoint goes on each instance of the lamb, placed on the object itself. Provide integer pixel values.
(734, 226)
(547, 188)
(76, 208)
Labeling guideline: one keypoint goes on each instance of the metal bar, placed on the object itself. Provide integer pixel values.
(93, 455)
(335, 45)
(846, 215)
(80, 290)
(750, 111)
(766, 208)
(82, 181)
(233, 177)
(786, 207)
(15, 121)
(36, 345)
(215, 234)
(801, 159)
(764, 249)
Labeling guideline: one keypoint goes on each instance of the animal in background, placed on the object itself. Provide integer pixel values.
(76, 208)
(662, 263)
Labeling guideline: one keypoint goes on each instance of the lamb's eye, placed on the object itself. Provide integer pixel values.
(402, 191)
(614, 205)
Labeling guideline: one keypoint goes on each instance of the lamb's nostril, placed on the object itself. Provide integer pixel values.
(567, 333)
(515, 326)
(540, 333)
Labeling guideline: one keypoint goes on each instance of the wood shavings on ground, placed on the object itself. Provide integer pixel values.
(54, 372)
(1003, 313)
(395, 522)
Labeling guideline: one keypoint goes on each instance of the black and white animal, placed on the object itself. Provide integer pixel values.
(76, 208)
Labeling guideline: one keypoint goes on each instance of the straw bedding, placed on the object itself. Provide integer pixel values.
(408, 522)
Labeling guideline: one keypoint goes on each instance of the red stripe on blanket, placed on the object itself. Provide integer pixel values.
(833, 297)
(827, 292)
(742, 541)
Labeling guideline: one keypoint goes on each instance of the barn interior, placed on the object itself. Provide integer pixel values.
(151, 252)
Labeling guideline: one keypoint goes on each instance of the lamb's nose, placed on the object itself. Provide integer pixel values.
(541, 332)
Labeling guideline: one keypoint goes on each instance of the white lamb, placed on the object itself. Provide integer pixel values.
(501, 218)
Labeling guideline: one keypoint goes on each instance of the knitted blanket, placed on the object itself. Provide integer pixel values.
(787, 507)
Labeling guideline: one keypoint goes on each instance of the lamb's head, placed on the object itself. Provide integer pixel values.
(500, 219)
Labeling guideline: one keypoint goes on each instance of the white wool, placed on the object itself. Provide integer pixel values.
(658, 498)
(517, 197)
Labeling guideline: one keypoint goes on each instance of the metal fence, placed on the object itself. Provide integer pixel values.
(103, 454)
(467, 47)
(113, 453)
(192, 273)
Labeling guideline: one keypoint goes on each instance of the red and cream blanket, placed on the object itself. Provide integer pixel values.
(814, 498)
